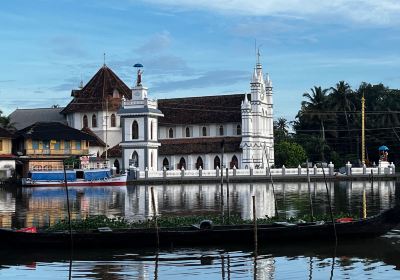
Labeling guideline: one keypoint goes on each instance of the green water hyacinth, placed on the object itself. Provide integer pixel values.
(94, 222)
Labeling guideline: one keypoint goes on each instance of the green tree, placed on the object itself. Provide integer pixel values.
(315, 106)
(281, 132)
(289, 154)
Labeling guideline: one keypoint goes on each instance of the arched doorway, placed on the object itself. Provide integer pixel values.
(234, 162)
(199, 163)
(135, 159)
(165, 164)
(116, 165)
(217, 162)
(182, 163)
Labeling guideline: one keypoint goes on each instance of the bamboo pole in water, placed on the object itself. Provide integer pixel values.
(255, 224)
(309, 193)
(330, 205)
(364, 202)
(227, 194)
(153, 203)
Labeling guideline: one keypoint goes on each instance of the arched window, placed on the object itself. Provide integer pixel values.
(94, 121)
(204, 131)
(85, 121)
(238, 130)
(151, 159)
(135, 130)
(113, 120)
(234, 162)
(182, 163)
(187, 132)
(217, 162)
(115, 93)
(116, 165)
(170, 133)
(221, 130)
(151, 130)
(135, 159)
(165, 164)
(199, 163)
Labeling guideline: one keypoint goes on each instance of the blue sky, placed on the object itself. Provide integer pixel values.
(192, 48)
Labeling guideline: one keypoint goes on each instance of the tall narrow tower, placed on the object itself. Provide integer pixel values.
(139, 121)
(257, 122)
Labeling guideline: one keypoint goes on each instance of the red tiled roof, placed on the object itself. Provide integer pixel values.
(92, 97)
(199, 145)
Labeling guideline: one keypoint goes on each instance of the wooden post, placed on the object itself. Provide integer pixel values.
(68, 209)
(227, 194)
(222, 179)
(364, 203)
(255, 224)
(153, 203)
(309, 193)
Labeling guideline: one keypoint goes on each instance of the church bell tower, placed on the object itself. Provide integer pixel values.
(139, 121)
(257, 121)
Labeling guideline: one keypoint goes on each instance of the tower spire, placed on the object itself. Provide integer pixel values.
(104, 59)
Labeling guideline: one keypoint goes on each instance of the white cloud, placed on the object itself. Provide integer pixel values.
(358, 11)
(156, 43)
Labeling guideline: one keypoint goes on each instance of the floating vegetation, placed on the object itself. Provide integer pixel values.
(94, 222)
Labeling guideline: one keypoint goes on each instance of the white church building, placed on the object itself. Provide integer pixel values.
(191, 133)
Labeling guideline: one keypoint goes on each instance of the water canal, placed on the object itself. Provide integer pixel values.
(377, 259)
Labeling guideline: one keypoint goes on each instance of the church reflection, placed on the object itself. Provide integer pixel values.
(44, 206)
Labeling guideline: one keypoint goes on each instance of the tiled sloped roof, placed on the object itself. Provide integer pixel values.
(53, 131)
(22, 118)
(98, 142)
(114, 152)
(202, 109)
(199, 145)
(4, 133)
(92, 97)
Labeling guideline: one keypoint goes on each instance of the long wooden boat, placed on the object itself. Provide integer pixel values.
(373, 226)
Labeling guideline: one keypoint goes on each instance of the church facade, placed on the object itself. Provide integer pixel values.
(193, 132)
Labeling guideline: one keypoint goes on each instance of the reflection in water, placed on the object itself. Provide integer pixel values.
(43, 206)
(376, 259)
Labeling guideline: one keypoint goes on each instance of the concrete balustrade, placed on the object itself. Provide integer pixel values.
(283, 171)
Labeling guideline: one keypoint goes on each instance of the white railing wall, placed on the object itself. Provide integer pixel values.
(299, 171)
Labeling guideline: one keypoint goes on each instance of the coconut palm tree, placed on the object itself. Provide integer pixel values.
(315, 106)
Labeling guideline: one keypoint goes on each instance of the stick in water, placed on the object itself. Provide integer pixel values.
(153, 203)
(255, 224)
(330, 205)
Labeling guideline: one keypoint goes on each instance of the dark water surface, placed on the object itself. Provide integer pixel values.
(376, 259)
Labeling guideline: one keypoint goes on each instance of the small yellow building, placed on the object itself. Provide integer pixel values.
(7, 160)
(44, 145)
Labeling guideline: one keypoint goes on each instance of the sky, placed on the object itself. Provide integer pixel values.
(195, 47)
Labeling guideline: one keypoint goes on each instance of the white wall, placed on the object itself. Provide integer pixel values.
(197, 130)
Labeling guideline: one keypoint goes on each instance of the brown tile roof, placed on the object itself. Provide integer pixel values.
(114, 152)
(98, 142)
(53, 131)
(92, 97)
(202, 109)
(199, 145)
(4, 133)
